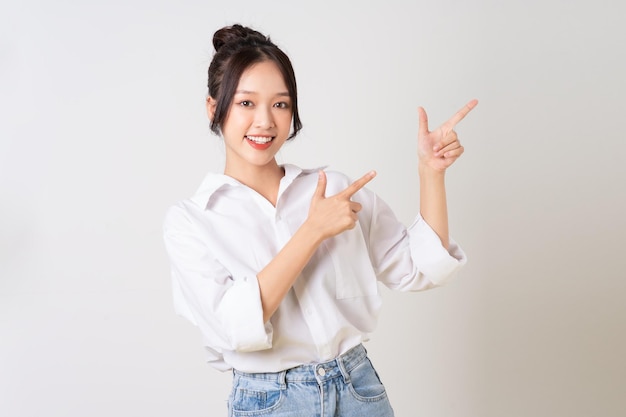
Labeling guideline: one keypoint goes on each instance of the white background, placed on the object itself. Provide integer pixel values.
(103, 127)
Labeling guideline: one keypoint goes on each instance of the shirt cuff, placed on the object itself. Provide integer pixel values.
(241, 313)
(436, 263)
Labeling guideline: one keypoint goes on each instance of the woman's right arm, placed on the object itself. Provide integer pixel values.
(328, 216)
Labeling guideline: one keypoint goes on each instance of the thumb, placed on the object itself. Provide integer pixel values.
(423, 121)
(320, 190)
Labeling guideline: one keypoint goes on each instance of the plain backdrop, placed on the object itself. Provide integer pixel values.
(103, 127)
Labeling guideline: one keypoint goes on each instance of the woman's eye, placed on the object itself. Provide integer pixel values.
(245, 103)
(282, 105)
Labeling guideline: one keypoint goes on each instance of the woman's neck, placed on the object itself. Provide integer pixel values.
(265, 179)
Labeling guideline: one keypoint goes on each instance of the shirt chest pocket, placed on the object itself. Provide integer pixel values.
(354, 275)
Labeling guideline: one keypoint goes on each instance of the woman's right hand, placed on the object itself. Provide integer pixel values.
(330, 216)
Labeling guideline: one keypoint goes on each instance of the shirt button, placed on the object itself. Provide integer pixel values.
(321, 372)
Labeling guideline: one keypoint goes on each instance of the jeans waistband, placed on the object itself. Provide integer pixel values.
(340, 366)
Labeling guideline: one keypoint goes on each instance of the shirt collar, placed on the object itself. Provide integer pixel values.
(213, 182)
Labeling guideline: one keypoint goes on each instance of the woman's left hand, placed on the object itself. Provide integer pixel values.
(441, 147)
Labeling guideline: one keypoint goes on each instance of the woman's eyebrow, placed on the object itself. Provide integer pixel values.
(282, 93)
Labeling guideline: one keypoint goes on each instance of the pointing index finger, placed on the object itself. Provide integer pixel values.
(358, 184)
(461, 113)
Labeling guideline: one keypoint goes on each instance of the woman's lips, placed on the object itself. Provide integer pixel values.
(260, 142)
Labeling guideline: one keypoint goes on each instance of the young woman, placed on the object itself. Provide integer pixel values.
(279, 266)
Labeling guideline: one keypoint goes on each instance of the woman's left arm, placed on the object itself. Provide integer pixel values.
(437, 150)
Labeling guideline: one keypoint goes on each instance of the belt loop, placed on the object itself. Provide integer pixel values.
(282, 378)
(342, 368)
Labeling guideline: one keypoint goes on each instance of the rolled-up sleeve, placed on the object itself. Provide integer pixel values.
(406, 259)
(438, 264)
(227, 309)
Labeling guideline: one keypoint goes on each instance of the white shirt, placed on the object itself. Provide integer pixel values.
(226, 233)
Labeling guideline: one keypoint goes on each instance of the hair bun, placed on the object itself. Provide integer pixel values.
(238, 35)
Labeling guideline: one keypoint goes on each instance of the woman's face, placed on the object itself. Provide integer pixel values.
(259, 118)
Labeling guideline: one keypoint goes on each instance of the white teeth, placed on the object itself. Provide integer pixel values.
(259, 139)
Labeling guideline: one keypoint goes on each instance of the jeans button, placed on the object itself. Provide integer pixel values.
(321, 372)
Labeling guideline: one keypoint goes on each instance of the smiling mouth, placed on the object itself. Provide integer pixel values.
(261, 140)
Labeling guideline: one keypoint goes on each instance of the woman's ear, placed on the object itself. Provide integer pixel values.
(211, 104)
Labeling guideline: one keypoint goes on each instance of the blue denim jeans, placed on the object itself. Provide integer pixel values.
(344, 387)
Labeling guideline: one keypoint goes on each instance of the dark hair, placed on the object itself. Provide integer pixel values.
(236, 49)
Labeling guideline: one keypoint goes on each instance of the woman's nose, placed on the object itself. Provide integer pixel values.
(264, 118)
